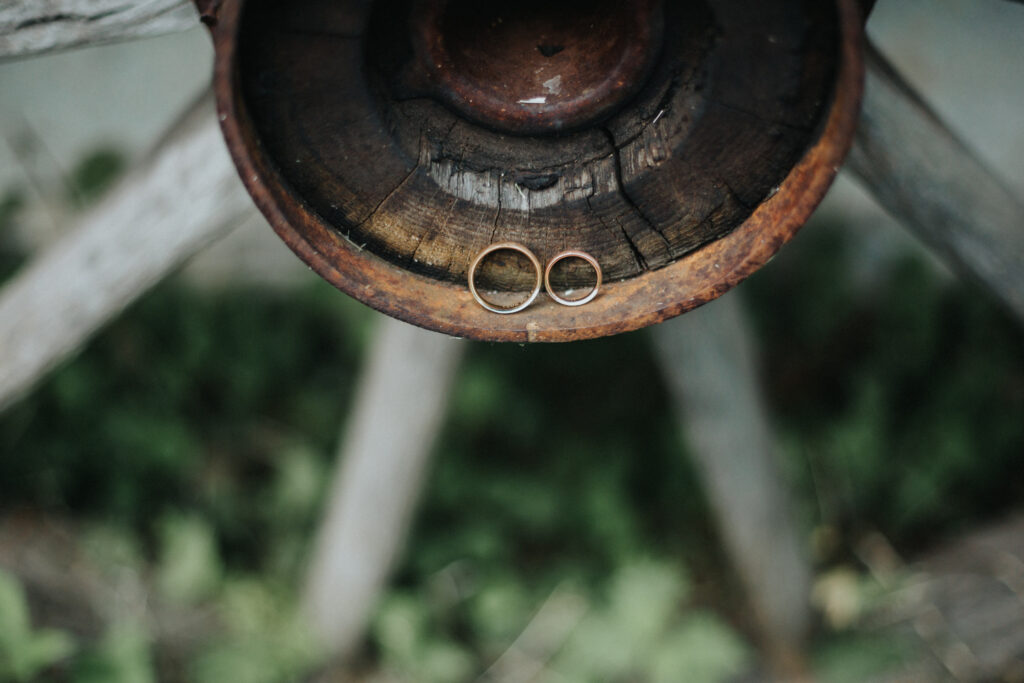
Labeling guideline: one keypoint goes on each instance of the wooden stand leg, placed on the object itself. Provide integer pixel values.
(926, 177)
(29, 27)
(184, 196)
(710, 368)
(383, 460)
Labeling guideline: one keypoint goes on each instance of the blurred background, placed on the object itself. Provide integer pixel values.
(160, 492)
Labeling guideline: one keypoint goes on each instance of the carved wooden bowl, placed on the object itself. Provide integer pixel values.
(680, 143)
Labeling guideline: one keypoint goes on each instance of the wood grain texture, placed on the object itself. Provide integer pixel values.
(735, 99)
(34, 27)
(924, 174)
(409, 289)
(185, 195)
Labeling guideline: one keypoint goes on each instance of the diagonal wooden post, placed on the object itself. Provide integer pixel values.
(184, 196)
(33, 27)
(383, 461)
(925, 176)
(710, 366)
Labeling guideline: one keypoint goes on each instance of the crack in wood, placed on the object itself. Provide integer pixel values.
(736, 197)
(373, 212)
(68, 18)
(637, 256)
(497, 213)
(440, 232)
(626, 197)
(471, 183)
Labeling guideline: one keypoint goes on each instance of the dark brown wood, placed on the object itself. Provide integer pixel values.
(537, 66)
(208, 10)
(687, 188)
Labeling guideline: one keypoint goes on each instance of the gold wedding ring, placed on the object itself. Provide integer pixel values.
(573, 254)
(503, 246)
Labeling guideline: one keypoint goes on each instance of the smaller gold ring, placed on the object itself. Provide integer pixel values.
(500, 246)
(573, 254)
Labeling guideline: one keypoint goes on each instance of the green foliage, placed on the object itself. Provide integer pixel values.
(189, 565)
(900, 410)
(412, 646)
(190, 400)
(857, 658)
(700, 648)
(94, 174)
(11, 203)
(24, 652)
(265, 640)
(635, 626)
(557, 461)
(121, 656)
(640, 633)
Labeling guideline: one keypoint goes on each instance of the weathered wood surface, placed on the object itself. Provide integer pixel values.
(34, 27)
(734, 102)
(382, 463)
(182, 197)
(708, 360)
(964, 607)
(923, 174)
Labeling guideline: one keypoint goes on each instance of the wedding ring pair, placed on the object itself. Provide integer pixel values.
(542, 279)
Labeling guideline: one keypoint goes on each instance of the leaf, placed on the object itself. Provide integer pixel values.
(444, 662)
(852, 659)
(500, 609)
(400, 627)
(24, 653)
(46, 648)
(266, 640)
(598, 650)
(645, 596)
(190, 567)
(122, 656)
(298, 486)
(702, 649)
(14, 621)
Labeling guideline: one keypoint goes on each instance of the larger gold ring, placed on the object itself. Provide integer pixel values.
(500, 246)
(573, 254)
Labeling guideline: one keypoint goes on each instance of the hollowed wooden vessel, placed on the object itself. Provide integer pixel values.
(680, 142)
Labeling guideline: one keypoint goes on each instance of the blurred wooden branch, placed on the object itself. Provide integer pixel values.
(33, 27)
(963, 604)
(924, 175)
(382, 464)
(709, 363)
(185, 195)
